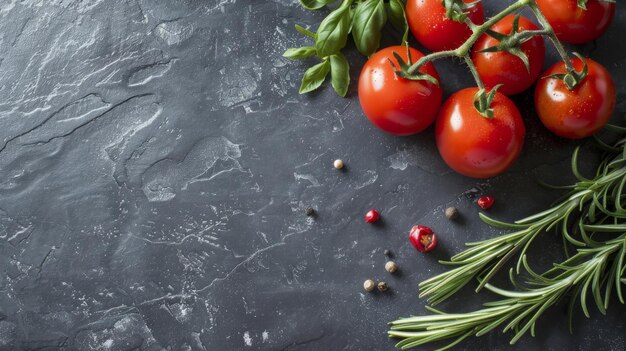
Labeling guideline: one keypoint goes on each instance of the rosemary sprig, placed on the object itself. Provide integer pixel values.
(591, 269)
(591, 206)
(591, 217)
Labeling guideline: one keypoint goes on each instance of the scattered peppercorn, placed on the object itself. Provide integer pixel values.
(452, 213)
(382, 286)
(423, 238)
(391, 267)
(485, 202)
(372, 216)
(387, 253)
(309, 211)
(369, 285)
(338, 164)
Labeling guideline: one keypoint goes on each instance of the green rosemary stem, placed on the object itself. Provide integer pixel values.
(587, 271)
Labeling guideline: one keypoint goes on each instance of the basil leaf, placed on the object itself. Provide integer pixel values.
(340, 73)
(299, 53)
(332, 33)
(397, 16)
(305, 31)
(315, 4)
(369, 18)
(314, 77)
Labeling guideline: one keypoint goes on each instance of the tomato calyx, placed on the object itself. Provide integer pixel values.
(404, 69)
(512, 42)
(573, 78)
(583, 3)
(483, 100)
(456, 10)
(423, 238)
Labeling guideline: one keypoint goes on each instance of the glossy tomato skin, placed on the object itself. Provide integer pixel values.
(474, 145)
(575, 25)
(396, 105)
(504, 68)
(579, 113)
(430, 26)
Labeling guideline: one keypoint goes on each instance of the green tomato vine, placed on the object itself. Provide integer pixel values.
(364, 20)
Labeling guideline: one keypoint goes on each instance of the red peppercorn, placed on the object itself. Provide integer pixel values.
(423, 238)
(485, 202)
(372, 216)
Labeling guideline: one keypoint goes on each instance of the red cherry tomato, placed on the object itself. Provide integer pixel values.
(423, 238)
(372, 216)
(396, 105)
(430, 26)
(504, 68)
(485, 202)
(474, 145)
(575, 25)
(579, 113)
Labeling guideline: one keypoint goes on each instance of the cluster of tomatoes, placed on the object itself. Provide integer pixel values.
(469, 142)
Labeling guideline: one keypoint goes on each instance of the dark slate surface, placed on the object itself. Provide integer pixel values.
(155, 163)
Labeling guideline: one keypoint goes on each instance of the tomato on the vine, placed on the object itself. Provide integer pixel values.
(396, 105)
(580, 112)
(574, 25)
(430, 26)
(504, 68)
(474, 145)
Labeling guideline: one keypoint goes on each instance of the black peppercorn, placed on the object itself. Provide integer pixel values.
(309, 211)
(382, 287)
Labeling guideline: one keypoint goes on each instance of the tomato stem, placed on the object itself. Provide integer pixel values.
(550, 34)
(474, 71)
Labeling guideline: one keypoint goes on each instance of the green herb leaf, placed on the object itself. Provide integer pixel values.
(315, 4)
(340, 73)
(299, 53)
(369, 18)
(304, 31)
(332, 33)
(314, 77)
(397, 17)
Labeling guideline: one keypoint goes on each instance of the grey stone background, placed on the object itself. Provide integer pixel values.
(155, 162)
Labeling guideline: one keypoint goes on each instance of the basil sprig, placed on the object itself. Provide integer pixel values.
(363, 19)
